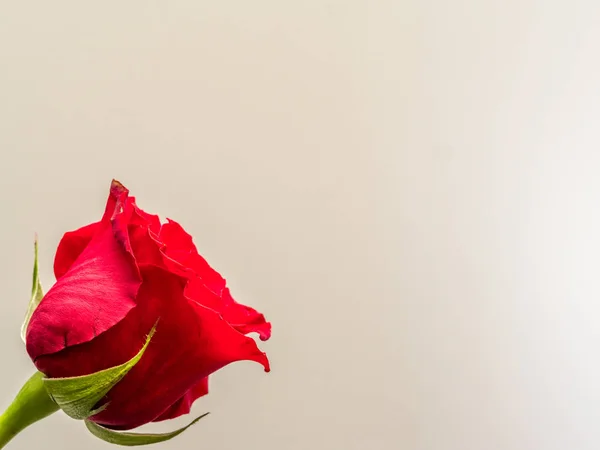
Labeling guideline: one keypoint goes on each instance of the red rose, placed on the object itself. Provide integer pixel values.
(115, 279)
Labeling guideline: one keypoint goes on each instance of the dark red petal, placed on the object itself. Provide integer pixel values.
(190, 343)
(184, 404)
(71, 246)
(92, 296)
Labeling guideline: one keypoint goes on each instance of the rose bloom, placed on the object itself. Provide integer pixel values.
(116, 279)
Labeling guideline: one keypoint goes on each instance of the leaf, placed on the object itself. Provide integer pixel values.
(36, 292)
(77, 396)
(133, 439)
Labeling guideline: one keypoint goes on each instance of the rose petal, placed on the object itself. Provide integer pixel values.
(224, 345)
(71, 246)
(241, 317)
(180, 247)
(142, 217)
(173, 234)
(184, 404)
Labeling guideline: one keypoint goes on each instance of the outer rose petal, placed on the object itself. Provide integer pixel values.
(241, 317)
(190, 343)
(173, 234)
(144, 242)
(180, 247)
(71, 246)
(244, 318)
(97, 292)
(150, 220)
(184, 404)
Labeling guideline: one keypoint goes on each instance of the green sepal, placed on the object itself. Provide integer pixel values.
(36, 292)
(133, 439)
(77, 396)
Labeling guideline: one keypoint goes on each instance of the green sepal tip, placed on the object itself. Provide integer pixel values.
(36, 291)
(132, 439)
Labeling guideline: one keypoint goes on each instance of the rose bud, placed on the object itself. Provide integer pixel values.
(128, 283)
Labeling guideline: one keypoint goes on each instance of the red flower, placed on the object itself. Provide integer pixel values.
(115, 279)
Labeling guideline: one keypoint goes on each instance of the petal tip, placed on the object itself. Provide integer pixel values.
(265, 362)
(117, 188)
(265, 332)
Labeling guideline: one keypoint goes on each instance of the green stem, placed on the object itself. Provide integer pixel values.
(31, 404)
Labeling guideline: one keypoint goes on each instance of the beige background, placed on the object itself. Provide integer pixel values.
(408, 189)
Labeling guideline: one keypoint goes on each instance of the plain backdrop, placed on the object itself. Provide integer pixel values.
(408, 190)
